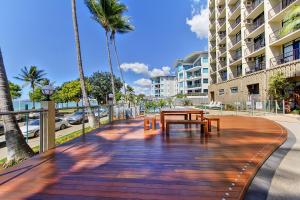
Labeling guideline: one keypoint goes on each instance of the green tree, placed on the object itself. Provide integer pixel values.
(101, 86)
(37, 95)
(105, 13)
(86, 101)
(161, 103)
(279, 86)
(32, 76)
(291, 21)
(181, 96)
(120, 25)
(17, 148)
(15, 90)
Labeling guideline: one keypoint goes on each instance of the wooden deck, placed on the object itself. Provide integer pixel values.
(123, 162)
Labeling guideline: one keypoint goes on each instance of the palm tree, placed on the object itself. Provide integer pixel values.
(120, 25)
(17, 148)
(86, 102)
(105, 12)
(32, 76)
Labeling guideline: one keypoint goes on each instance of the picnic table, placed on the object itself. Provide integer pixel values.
(177, 111)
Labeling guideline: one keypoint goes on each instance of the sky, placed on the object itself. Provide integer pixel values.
(40, 33)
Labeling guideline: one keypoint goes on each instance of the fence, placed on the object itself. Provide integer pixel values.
(70, 122)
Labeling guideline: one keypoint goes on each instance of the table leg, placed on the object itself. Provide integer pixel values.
(162, 118)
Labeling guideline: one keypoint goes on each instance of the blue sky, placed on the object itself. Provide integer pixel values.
(35, 32)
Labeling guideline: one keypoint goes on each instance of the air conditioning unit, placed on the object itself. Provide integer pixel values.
(248, 3)
(222, 45)
(248, 40)
(222, 59)
(248, 21)
(250, 59)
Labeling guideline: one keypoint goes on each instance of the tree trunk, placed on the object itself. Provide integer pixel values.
(86, 102)
(111, 68)
(17, 148)
(119, 64)
(33, 101)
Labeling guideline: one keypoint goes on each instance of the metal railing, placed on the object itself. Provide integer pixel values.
(194, 85)
(285, 58)
(222, 50)
(221, 65)
(255, 67)
(254, 27)
(234, 8)
(254, 5)
(234, 25)
(221, 22)
(234, 41)
(280, 33)
(254, 47)
(279, 7)
(235, 58)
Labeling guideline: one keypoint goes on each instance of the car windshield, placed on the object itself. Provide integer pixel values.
(77, 113)
(34, 123)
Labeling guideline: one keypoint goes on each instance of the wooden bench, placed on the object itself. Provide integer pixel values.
(209, 120)
(147, 122)
(204, 124)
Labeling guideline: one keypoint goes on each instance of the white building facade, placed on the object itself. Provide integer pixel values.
(193, 74)
(163, 86)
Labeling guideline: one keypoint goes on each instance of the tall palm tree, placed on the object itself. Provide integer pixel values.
(32, 76)
(86, 102)
(120, 25)
(105, 12)
(17, 148)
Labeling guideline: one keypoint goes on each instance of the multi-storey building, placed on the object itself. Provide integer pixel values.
(249, 41)
(163, 86)
(193, 74)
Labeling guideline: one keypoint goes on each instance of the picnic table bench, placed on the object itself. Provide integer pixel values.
(204, 124)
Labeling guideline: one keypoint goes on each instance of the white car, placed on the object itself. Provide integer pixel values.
(34, 127)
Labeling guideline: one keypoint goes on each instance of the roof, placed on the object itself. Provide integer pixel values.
(191, 58)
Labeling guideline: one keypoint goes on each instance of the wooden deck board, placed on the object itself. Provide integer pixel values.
(121, 161)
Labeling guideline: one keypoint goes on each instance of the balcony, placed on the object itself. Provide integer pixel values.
(285, 58)
(212, 26)
(212, 37)
(255, 67)
(254, 9)
(283, 36)
(235, 59)
(255, 29)
(221, 23)
(222, 51)
(235, 43)
(213, 68)
(277, 13)
(211, 4)
(255, 49)
(222, 65)
(235, 10)
(212, 15)
(234, 28)
(197, 85)
(221, 12)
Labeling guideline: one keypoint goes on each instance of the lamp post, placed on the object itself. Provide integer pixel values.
(47, 90)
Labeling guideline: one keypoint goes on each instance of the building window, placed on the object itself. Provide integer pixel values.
(221, 92)
(180, 68)
(234, 90)
(180, 75)
(205, 59)
(205, 70)
(205, 91)
(205, 80)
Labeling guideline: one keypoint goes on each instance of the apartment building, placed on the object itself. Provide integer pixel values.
(163, 86)
(193, 74)
(249, 41)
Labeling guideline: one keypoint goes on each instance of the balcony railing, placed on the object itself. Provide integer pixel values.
(222, 50)
(256, 67)
(253, 6)
(279, 7)
(213, 68)
(286, 57)
(222, 64)
(235, 58)
(254, 47)
(212, 14)
(254, 26)
(194, 85)
(234, 25)
(281, 33)
(221, 22)
(220, 9)
(222, 35)
(234, 41)
(234, 8)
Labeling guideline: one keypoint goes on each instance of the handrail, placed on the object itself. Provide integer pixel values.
(279, 7)
(254, 6)
(256, 67)
(276, 35)
(254, 47)
(286, 57)
(233, 26)
(234, 8)
(23, 112)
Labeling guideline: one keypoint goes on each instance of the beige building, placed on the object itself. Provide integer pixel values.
(249, 41)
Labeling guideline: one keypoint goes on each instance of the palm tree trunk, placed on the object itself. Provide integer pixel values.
(33, 101)
(86, 102)
(17, 148)
(111, 68)
(119, 64)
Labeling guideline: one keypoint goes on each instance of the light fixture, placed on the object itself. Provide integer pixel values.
(47, 90)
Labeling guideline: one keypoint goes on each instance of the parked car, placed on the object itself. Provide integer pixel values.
(34, 127)
(77, 118)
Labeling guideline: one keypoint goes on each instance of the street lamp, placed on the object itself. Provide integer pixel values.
(47, 90)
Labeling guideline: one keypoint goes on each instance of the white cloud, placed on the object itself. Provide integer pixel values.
(199, 21)
(160, 72)
(141, 90)
(141, 68)
(143, 82)
(138, 68)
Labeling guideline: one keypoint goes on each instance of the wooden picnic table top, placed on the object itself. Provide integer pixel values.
(181, 110)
